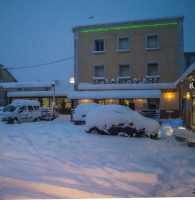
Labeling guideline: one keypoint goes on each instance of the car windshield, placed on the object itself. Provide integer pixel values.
(9, 108)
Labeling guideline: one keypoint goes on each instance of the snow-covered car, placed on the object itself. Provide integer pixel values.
(82, 110)
(22, 111)
(120, 120)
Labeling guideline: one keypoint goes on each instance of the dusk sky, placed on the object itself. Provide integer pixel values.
(34, 32)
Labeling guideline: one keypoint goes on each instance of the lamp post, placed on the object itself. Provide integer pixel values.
(53, 102)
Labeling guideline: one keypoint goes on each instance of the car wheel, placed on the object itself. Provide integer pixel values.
(154, 136)
(15, 121)
(94, 131)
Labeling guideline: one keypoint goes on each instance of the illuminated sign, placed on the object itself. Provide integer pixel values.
(128, 27)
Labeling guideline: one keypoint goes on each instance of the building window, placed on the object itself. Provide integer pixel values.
(124, 71)
(152, 41)
(152, 70)
(71, 80)
(123, 43)
(99, 45)
(99, 72)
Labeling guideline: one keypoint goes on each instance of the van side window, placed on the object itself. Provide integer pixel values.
(36, 108)
(23, 108)
(30, 108)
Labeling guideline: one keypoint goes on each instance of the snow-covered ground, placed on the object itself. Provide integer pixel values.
(59, 160)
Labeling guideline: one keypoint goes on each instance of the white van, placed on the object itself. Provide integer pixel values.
(22, 111)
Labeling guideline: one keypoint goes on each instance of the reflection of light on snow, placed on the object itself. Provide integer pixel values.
(181, 128)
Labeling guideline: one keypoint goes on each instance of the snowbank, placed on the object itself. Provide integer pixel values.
(56, 159)
(105, 116)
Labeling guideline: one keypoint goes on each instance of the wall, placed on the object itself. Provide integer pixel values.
(166, 55)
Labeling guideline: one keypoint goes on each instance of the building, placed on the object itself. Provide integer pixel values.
(189, 59)
(5, 76)
(186, 85)
(43, 91)
(140, 58)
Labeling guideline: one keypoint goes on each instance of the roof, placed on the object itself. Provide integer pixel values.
(16, 85)
(60, 90)
(115, 94)
(137, 22)
(190, 70)
(2, 68)
(131, 86)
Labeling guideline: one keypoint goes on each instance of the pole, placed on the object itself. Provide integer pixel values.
(53, 103)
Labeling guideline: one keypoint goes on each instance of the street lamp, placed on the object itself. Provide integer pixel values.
(53, 102)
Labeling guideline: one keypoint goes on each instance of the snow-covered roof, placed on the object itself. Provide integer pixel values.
(190, 69)
(26, 84)
(115, 94)
(141, 86)
(60, 90)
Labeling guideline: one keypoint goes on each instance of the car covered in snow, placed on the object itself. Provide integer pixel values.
(120, 120)
(22, 111)
(82, 110)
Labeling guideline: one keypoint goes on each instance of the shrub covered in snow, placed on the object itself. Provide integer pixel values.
(82, 110)
(104, 117)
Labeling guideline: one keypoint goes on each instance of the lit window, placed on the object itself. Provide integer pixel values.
(99, 72)
(71, 80)
(124, 71)
(152, 41)
(152, 70)
(124, 43)
(99, 45)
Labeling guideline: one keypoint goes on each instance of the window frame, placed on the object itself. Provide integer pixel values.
(93, 46)
(98, 78)
(124, 77)
(153, 62)
(146, 41)
(123, 50)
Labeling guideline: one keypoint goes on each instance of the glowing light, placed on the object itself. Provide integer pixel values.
(187, 95)
(169, 96)
(127, 27)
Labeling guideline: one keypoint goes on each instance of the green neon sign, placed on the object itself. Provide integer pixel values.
(128, 27)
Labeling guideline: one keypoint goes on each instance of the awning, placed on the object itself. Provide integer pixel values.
(115, 94)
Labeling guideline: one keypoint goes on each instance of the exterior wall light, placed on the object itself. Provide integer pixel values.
(169, 96)
(187, 95)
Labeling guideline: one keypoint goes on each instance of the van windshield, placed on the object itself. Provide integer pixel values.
(9, 108)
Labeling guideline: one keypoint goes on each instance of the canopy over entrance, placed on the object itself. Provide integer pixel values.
(116, 94)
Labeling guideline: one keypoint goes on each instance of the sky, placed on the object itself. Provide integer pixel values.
(34, 32)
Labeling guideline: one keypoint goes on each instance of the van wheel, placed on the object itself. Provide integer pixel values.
(38, 119)
(15, 121)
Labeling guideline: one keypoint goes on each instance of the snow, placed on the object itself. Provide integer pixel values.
(56, 159)
(140, 86)
(22, 102)
(27, 84)
(115, 94)
(189, 70)
(105, 116)
(60, 90)
(83, 109)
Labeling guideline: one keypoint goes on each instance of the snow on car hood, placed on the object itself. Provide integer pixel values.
(105, 116)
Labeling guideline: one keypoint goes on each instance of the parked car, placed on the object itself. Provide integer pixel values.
(22, 111)
(48, 114)
(81, 111)
(120, 120)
